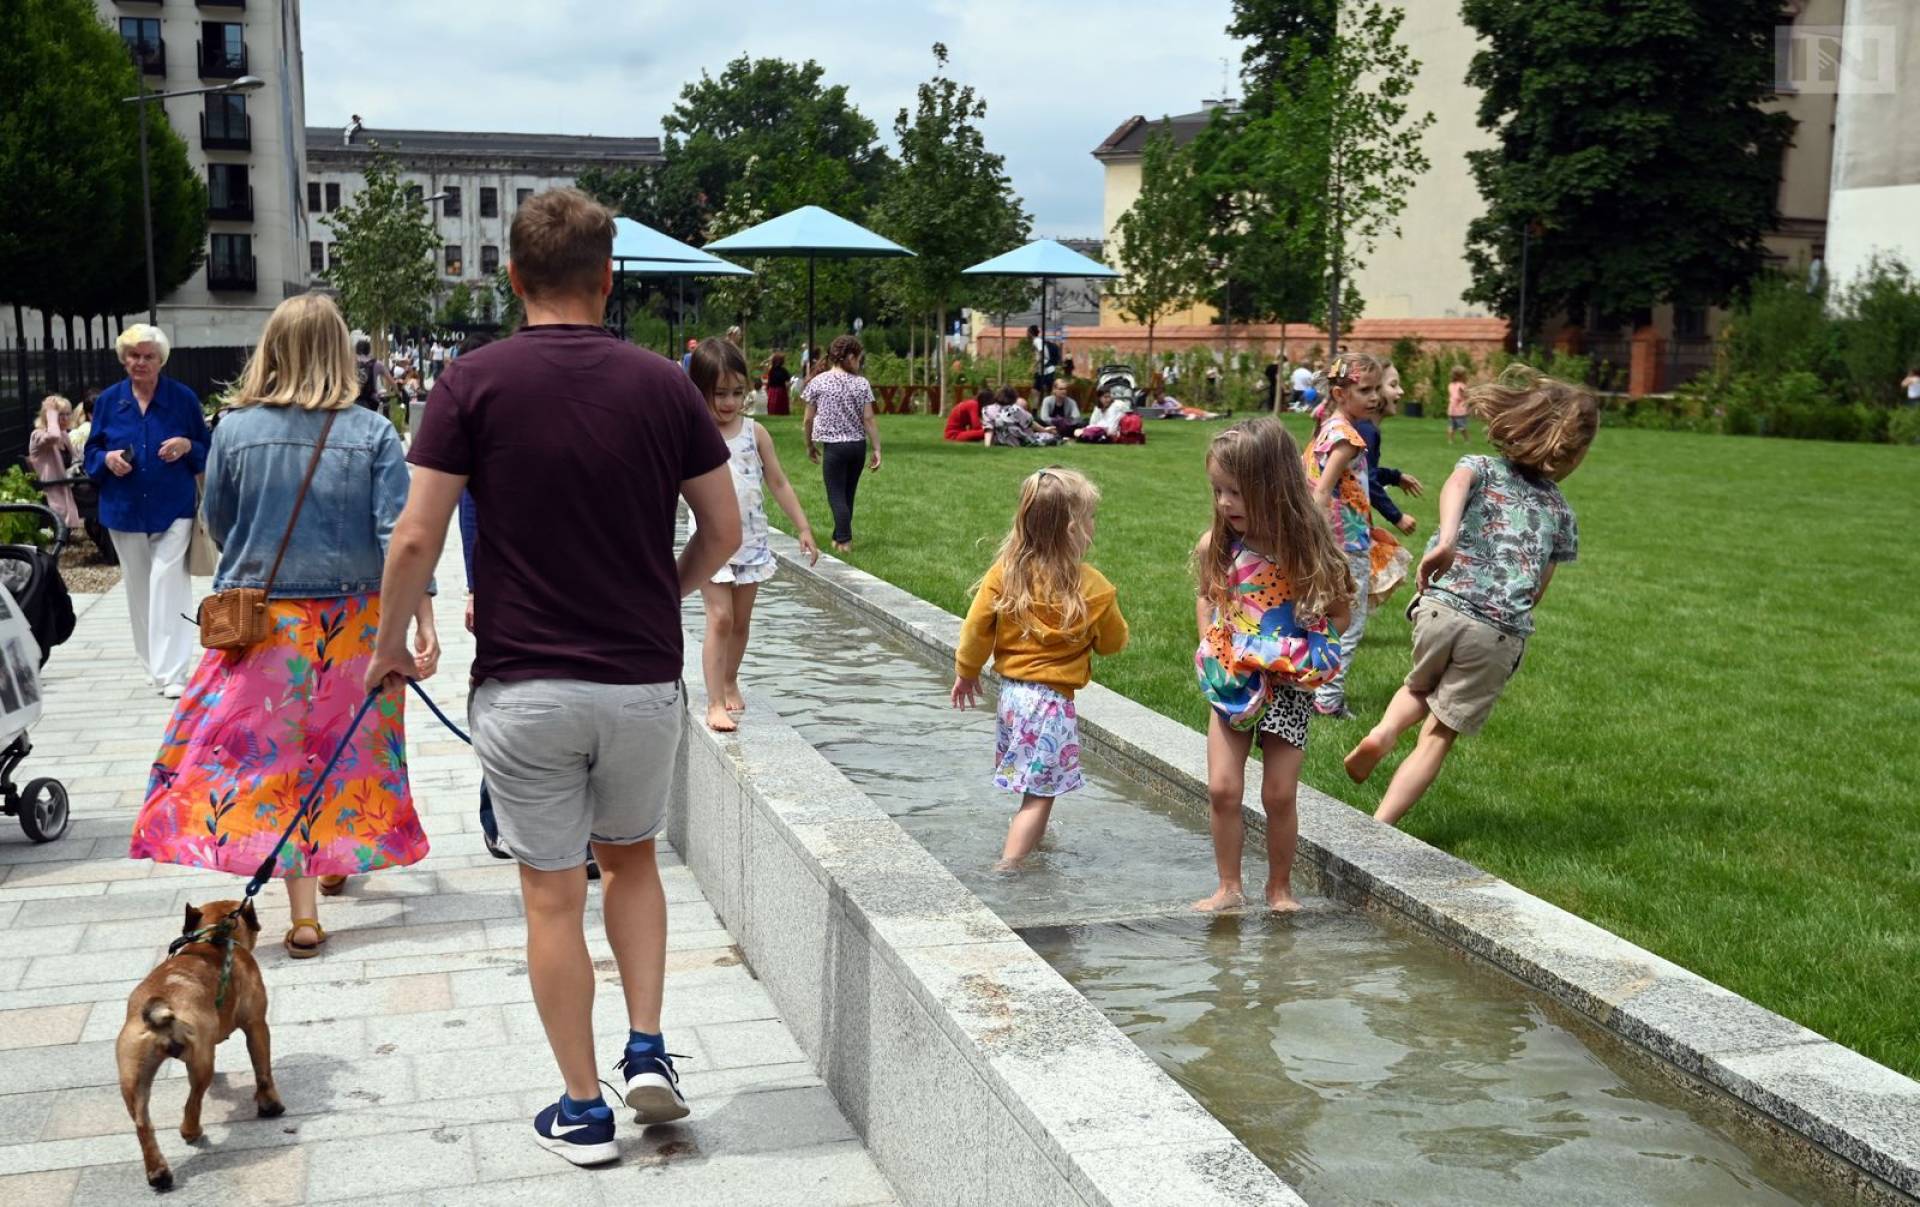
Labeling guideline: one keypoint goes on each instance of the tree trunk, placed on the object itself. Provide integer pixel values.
(20, 351)
(1003, 350)
(47, 350)
(1150, 325)
(940, 399)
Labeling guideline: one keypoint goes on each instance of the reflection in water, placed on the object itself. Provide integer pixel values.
(1366, 1066)
(1363, 1065)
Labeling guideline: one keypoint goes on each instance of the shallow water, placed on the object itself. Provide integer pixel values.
(1363, 1064)
(1366, 1066)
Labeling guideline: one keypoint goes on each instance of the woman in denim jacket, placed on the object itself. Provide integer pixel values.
(256, 727)
(147, 444)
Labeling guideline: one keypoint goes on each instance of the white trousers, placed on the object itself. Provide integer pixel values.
(153, 565)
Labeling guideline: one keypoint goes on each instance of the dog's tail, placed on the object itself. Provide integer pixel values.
(172, 1032)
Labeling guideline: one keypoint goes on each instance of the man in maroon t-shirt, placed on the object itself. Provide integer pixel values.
(576, 446)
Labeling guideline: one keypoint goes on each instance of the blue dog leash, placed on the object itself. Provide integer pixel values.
(221, 931)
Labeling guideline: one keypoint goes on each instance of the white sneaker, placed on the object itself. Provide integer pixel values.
(173, 691)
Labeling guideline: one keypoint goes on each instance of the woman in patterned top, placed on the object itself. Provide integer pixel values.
(719, 371)
(1504, 527)
(841, 436)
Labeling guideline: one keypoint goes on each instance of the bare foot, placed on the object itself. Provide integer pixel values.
(1365, 756)
(718, 720)
(1225, 898)
(843, 546)
(1280, 898)
(1007, 865)
(732, 698)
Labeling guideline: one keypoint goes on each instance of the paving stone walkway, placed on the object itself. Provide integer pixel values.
(409, 1055)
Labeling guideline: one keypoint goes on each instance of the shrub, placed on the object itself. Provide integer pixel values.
(1903, 426)
(21, 527)
(1879, 331)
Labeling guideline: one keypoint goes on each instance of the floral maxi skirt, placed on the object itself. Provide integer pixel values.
(252, 734)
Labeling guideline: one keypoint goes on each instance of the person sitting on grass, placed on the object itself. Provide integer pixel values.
(964, 424)
(1060, 410)
(1504, 528)
(1040, 613)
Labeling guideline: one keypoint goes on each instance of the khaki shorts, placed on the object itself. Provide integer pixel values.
(569, 762)
(1462, 664)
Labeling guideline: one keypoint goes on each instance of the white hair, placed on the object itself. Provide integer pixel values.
(143, 333)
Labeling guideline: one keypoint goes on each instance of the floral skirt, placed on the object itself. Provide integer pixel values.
(253, 732)
(1389, 560)
(1037, 749)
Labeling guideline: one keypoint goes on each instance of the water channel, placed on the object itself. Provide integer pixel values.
(1363, 1063)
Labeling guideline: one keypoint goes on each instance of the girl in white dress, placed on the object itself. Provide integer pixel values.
(719, 371)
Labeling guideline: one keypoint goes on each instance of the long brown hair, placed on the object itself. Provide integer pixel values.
(844, 351)
(1282, 521)
(1541, 423)
(1040, 559)
(713, 361)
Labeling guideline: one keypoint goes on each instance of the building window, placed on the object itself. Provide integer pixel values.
(317, 257)
(227, 193)
(1690, 322)
(142, 36)
(521, 197)
(223, 48)
(489, 260)
(415, 194)
(333, 254)
(313, 196)
(489, 203)
(451, 206)
(231, 264)
(226, 117)
(333, 196)
(454, 263)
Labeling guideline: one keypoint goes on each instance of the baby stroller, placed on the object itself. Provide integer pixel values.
(1120, 379)
(36, 614)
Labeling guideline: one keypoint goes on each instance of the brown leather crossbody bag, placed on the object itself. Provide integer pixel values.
(236, 619)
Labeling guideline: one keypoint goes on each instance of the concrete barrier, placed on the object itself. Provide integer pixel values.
(1819, 1099)
(974, 1073)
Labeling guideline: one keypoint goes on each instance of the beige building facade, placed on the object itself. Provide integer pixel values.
(1419, 276)
(250, 149)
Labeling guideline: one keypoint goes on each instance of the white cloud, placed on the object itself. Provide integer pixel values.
(1057, 77)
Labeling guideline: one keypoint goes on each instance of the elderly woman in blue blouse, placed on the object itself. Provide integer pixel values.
(148, 444)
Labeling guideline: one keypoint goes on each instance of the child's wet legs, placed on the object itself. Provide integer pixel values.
(743, 598)
(1028, 828)
(1279, 796)
(1406, 710)
(1226, 784)
(715, 651)
(1417, 773)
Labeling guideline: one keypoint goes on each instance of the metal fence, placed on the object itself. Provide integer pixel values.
(42, 370)
(1688, 357)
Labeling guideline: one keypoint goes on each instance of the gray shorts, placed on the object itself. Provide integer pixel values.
(567, 762)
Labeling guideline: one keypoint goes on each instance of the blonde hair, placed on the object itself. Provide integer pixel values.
(304, 359)
(1040, 559)
(142, 333)
(1540, 423)
(59, 403)
(1282, 521)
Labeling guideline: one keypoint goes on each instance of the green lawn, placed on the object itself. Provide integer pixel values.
(1691, 756)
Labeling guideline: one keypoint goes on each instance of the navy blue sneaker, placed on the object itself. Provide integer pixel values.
(653, 1087)
(585, 1139)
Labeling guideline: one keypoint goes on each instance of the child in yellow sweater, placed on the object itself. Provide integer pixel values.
(1041, 614)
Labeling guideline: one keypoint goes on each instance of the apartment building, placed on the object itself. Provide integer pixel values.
(480, 178)
(251, 150)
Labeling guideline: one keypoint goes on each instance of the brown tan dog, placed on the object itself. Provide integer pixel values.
(172, 1013)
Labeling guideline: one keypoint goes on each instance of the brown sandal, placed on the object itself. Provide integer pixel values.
(303, 951)
(332, 886)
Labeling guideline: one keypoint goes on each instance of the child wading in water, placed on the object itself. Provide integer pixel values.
(1339, 468)
(1504, 526)
(719, 371)
(1041, 613)
(1273, 600)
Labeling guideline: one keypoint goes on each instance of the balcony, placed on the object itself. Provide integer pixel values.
(231, 276)
(232, 134)
(232, 209)
(222, 62)
(218, 3)
(151, 57)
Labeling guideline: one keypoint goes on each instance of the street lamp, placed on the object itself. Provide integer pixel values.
(246, 83)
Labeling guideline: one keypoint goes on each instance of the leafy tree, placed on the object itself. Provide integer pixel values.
(1162, 238)
(71, 241)
(1281, 36)
(1880, 328)
(511, 310)
(383, 266)
(1633, 141)
(457, 309)
(950, 200)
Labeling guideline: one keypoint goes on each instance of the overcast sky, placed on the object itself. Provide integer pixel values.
(1057, 77)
